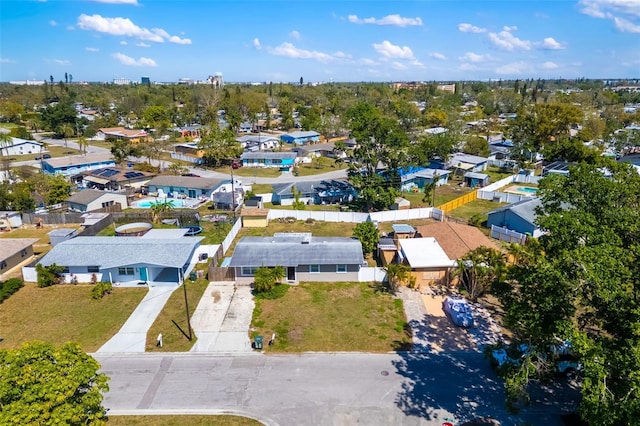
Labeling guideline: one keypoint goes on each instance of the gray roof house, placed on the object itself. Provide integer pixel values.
(520, 217)
(14, 251)
(314, 192)
(125, 259)
(89, 200)
(192, 187)
(305, 257)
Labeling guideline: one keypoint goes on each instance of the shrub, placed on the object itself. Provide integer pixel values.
(278, 291)
(266, 278)
(49, 275)
(9, 287)
(100, 290)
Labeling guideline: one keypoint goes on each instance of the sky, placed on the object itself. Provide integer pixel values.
(320, 41)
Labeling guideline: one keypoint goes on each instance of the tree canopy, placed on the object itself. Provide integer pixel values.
(48, 385)
(581, 282)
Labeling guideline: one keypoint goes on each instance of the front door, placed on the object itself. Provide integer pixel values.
(291, 273)
(143, 274)
(192, 193)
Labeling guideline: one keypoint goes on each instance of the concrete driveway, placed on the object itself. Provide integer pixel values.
(132, 337)
(223, 317)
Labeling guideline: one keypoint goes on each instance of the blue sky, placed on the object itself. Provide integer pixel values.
(99, 40)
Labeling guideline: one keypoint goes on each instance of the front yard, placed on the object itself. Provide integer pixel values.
(330, 317)
(63, 313)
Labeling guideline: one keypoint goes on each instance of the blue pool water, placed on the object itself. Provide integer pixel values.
(527, 189)
(146, 204)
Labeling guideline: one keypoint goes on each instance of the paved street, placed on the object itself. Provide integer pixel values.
(316, 388)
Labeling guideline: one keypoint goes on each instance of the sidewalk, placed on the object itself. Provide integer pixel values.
(223, 317)
(132, 337)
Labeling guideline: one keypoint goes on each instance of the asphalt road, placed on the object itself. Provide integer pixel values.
(317, 388)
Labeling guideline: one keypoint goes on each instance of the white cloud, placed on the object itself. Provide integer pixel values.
(506, 41)
(143, 44)
(623, 13)
(513, 68)
(91, 49)
(468, 28)
(7, 61)
(123, 42)
(549, 65)
(437, 55)
(474, 57)
(625, 25)
(70, 27)
(398, 66)
(256, 43)
(62, 61)
(367, 61)
(53, 23)
(467, 67)
(395, 20)
(125, 27)
(290, 51)
(550, 43)
(341, 55)
(294, 34)
(133, 2)
(140, 62)
(389, 50)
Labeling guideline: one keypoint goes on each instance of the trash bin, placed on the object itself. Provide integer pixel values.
(193, 275)
(257, 342)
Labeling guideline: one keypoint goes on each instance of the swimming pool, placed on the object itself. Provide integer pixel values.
(526, 189)
(147, 204)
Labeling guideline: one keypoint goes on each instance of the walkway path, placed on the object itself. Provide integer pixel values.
(223, 317)
(132, 337)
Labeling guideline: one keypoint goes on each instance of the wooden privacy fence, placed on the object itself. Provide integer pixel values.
(217, 273)
(459, 202)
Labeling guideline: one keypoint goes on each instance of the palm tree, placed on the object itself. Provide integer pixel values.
(5, 141)
(83, 144)
(159, 208)
(66, 130)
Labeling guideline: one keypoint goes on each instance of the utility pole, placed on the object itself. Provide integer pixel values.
(186, 304)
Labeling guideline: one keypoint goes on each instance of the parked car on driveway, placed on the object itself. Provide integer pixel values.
(459, 310)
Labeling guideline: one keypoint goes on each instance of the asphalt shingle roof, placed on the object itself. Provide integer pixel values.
(282, 250)
(185, 182)
(526, 209)
(112, 252)
(87, 196)
(11, 246)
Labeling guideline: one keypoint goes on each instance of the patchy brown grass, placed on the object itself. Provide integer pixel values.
(176, 420)
(332, 317)
(63, 313)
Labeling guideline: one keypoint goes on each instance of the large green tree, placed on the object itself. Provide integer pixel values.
(47, 385)
(56, 115)
(219, 145)
(367, 233)
(582, 283)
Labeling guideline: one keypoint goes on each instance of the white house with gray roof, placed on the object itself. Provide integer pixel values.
(304, 257)
(125, 259)
(187, 186)
(89, 200)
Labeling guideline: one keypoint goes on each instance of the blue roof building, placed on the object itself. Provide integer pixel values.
(301, 137)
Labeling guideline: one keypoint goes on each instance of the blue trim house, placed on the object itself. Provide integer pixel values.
(314, 192)
(301, 137)
(76, 164)
(462, 161)
(283, 160)
(417, 177)
(520, 217)
(476, 180)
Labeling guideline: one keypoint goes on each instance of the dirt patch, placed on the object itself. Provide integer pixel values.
(295, 336)
(433, 304)
(216, 296)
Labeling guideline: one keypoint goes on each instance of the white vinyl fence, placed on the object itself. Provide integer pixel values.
(353, 217)
(368, 274)
(507, 235)
(231, 235)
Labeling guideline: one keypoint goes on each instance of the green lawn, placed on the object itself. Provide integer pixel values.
(314, 168)
(444, 194)
(496, 174)
(312, 207)
(474, 208)
(175, 420)
(251, 171)
(64, 313)
(261, 188)
(332, 317)
(175, 310)
(53, 150)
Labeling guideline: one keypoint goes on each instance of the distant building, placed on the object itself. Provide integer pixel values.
(19, 146)
(145, 81)
(216, 80)
(28, 82)
(76, 164)
(121, 81)
(447, 88)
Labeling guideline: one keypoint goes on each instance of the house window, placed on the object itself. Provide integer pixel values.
(93, 269)
(248, 270)
(23, 253)
(314, 269)
(276, 161)
(341, 269)
(65, 270)
(125, 271)
(107, 204)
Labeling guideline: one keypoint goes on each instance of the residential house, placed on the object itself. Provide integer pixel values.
(456, 239)
(557, 167)
(301, 137)
(519, 217)
(224, 200)
(436, 131)
(460, 163)
(282, 160)
(400, 204)
(14, 251)
(305, 257)
(183, 186)
(259, 142)
(10, 219)
(245, 127)
(125, 259)
(313, 192)
(89, 200)
(120, 133)
(191, 131)
(189, 152)
(402, 231)
(428, 261)
(58, 235)
(476, 180)
(76, 164)
(113, 178)
(415, 178)
(318, 150)
(19, 146)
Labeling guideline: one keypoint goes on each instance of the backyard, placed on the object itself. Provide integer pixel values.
(332, 317)
(63, 313)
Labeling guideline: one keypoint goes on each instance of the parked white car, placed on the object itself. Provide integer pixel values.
(459, 310)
